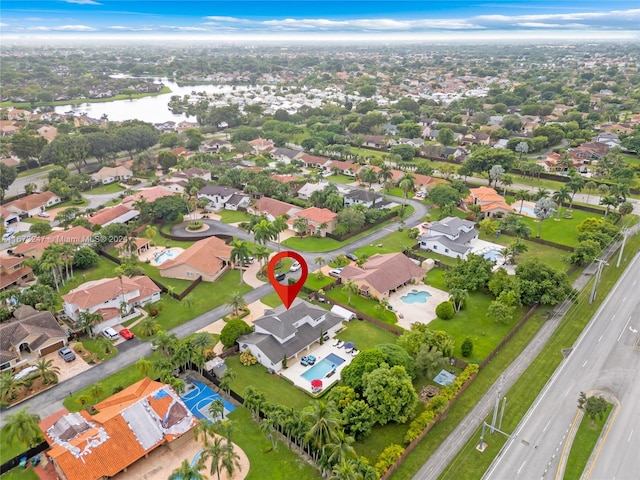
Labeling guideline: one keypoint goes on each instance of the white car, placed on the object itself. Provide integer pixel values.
(43, 214)
(24, 373)
(110, 333)
(7, 234)
(336, 272)
(295, 266)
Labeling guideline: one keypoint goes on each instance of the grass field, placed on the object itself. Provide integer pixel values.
(583, 444)
(104, 189)
(233, 216)
(345, 179)
(266, 463)
(34, 171)
(365, 335)
(562, 231)
(20, 474)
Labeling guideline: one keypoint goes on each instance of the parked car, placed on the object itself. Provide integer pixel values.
(295, 266)
(335, 272)
(126, 334)
(25, 372)
(352, 256)
(8, 234)
(110, 333)
(66, 354)
(280, 276)
(43, 214)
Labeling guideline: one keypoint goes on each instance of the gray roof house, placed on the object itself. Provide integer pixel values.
(366, 198)
(283, 332)
(451, 237)
(286, 154)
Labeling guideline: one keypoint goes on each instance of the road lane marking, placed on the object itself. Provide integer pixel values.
(585, 363)
(629, 439)
(623, 329)
(546, 426)
(600, 338)
(624, 299)
(520, 469)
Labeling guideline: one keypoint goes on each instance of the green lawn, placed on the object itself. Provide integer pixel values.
(392, 243)
(272, 300)
(266, 463)
(472, 321)
(114, 202)
(583, 444)
(9, 450)
(562, 231)
(104, 268)
(470, 464)
(365, 335)
(364, 305)
(123, 378)
(79, 101)
(206, 296)
(33, 171)
(20, 474)
(233, 216)
(103, 189)
(341, 179)
(152, 271)
(93, 346)
(315, 283)
(70, 203)
(276, 388)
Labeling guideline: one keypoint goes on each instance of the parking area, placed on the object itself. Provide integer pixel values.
(70, 369)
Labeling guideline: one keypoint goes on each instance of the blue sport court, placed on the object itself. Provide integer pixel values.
(200, 397)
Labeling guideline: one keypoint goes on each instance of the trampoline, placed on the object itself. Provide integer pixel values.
(200, 397)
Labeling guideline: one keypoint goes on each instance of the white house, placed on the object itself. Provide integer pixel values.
(33, 204)
(451, 237)
(366, 198)
(307, 190)
(217, 195)
(113, 298)
(112, 174)
(284, 333)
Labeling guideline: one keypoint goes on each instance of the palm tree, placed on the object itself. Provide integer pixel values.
(367, 175)
(253, 400)
(202, 341)
(68, 251)
(167, 343)
(521, 196)
(560, 196)
(320, 261)
(575, 184)
(52, 261)
(507, 181)
(590, 187)
(237, 302)
(264, 232)
(345, 470)
(216, 409)
(323, 423)
(300, 225)
(609, 201)
(149, 327)
(213, 450)
(47, 371)
(22, 428)
(458, 296)
(186, 472)
(96, 390)
(230, 460)
(204, 429)
(105, 344)
(120, 272)
(150, 232)
(262, 254)
(227, 380)
(405, 185)
(515, 248)
(279, 225)
(88, 320)
(385, 175)
(542, 193)
(144, 366)
(240, 253)
(350, 287)
(8, 386)
(341, 448)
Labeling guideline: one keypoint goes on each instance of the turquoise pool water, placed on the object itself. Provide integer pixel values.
(415, 297)
(492, 255)
(164, 256)
(324, 366)
(526, 211)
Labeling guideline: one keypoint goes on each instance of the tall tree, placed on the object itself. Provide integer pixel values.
(561, 196)
(543, 209)
(8, 175)
(186, 472)
(240, 253)
(22, 428)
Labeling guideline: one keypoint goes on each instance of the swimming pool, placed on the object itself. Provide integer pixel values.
(528, 211)
(164, 256)
(492, 254)
(324, 366)
(415, 297)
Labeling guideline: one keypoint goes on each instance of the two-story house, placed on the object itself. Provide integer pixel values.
(217, 196)
(320, 221)
(451, 236)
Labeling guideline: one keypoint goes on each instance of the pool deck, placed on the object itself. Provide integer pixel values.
(295, 370)
(152, 252)
(410, 313)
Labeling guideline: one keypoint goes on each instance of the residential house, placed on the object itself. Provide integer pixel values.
(217, 195)
(261, 145)
(146, 194)
(492, 204)
(208, 259)
(238, 201)
(320, 221)
(553, 161)
(382, 274)
(345, 168)
(477, 138)
(307, 190)
(13, 272)
(286, 155)
(283, 333)
(8, 217)
(366, 198)
(185, 125)
(113, 298)
(108, 175)
(610, 139)
(167, 126)
(272, 208)
(451, 237)
(375, 141)
(413, 142)
(215, 146)
(313, 161)
(31, 335)
(34, 246)
(33, 204)
(140, 246)
(48, 132)
(127, 426)
(118, 214)
(10, 161)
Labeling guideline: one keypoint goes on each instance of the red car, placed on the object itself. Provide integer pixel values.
(126, 334)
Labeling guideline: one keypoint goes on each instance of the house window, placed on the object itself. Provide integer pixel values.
(4, 366)
(435, 247)
(446, 250)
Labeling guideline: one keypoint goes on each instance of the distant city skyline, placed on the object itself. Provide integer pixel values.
(306, 19)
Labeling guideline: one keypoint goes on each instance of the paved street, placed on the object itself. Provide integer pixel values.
(603, 360)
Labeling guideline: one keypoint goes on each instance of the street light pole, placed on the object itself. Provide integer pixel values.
(597, 279)
(625, 232)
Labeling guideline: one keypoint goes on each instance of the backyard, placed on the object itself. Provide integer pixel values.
(114, 187)
(367, 306)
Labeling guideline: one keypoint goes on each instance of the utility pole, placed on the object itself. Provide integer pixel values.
(597, 279)
(495, 409)
(504, 405)
(624, 232)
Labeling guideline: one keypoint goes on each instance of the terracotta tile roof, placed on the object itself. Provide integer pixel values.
(286, 178)
(128, 425)
(274, 207)
(149, 194)
(32, 201)
(313, 159)
(90, 294)
(384, 272)
(318, 215)
(488, 199)
(9, 273)
(109, 214)
(207, 256)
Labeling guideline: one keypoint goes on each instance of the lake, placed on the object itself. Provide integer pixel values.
(148, 109)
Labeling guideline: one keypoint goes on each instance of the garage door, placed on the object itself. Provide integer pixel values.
(52, 348)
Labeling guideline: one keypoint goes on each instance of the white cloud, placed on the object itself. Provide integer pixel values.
(551, 25)
(559, 16)
(381, 24)
(4, 25)
(217, 18)
(73, 28)
(83, 2)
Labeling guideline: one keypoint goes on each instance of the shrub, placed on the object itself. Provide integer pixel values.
(418, 425)
(233, 330)
(387, 458)
(467, 347)
(153, 312)
(247, 358)
(79, 347)
(195, 225)
(445, 311)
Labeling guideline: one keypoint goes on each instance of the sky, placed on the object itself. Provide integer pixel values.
(454, 19)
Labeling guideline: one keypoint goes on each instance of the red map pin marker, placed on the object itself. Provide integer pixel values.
(287, 293)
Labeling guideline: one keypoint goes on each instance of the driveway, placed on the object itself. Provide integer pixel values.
(68, 369)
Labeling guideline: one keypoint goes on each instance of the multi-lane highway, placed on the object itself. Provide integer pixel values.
(606, 359)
